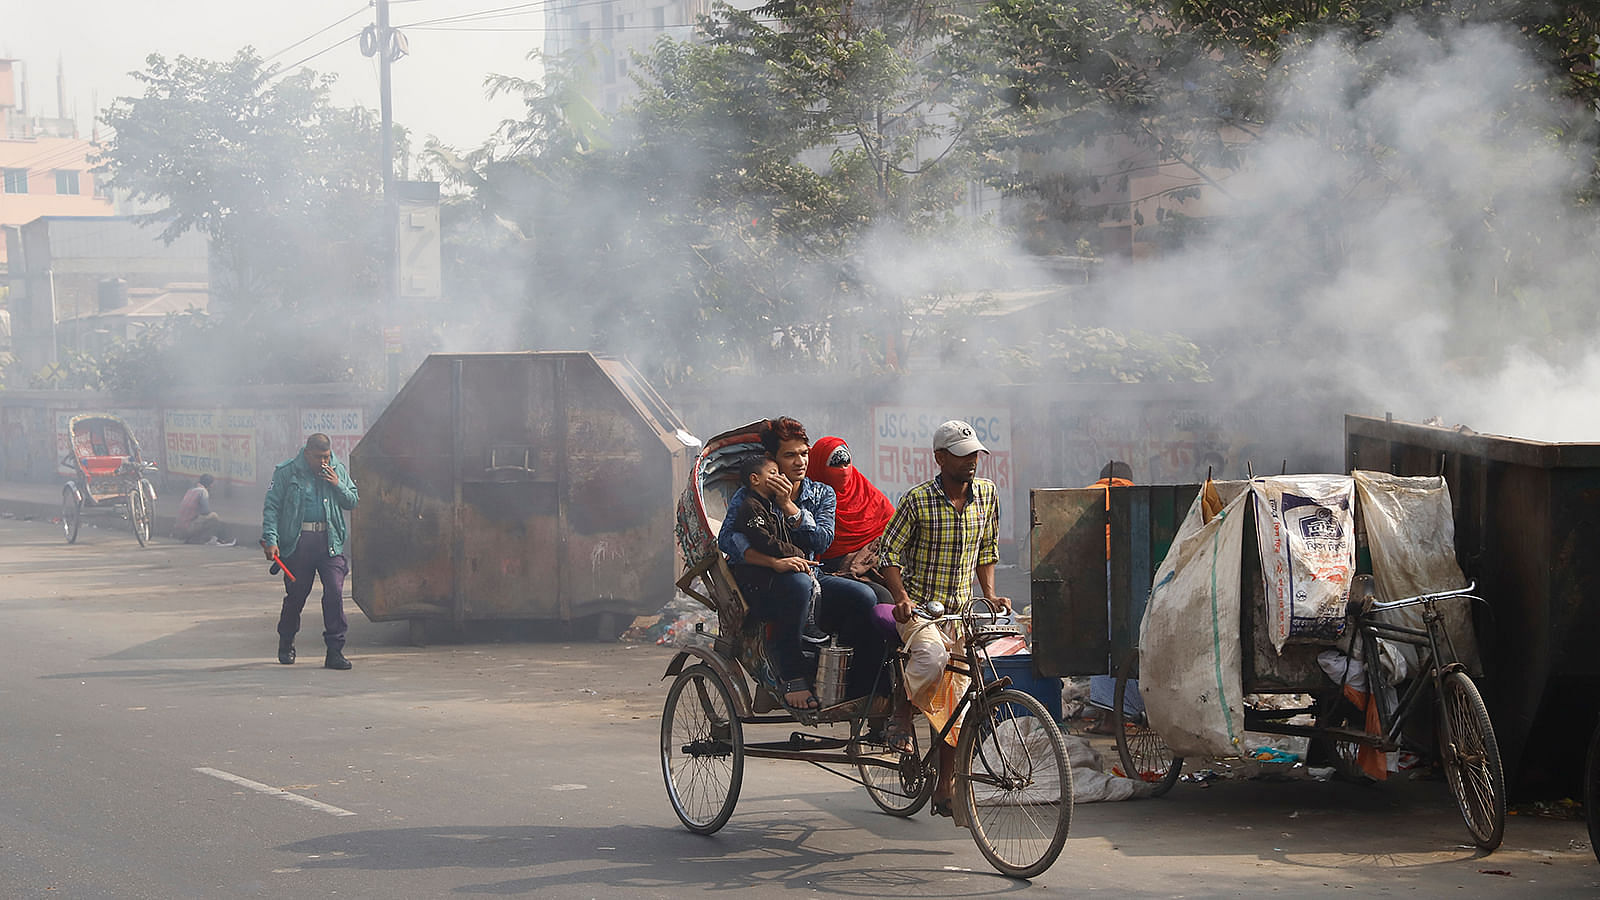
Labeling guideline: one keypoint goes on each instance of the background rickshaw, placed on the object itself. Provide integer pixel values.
(109, 474)
(1013, 779)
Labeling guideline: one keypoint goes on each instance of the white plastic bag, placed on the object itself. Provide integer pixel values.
(1305, 528)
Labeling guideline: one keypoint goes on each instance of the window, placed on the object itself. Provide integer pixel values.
(658, 17)
(16, 181)
(66, 181)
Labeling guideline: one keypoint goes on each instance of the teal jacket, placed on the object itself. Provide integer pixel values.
(294, 491)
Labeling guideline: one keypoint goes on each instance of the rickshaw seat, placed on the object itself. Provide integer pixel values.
(101, 466)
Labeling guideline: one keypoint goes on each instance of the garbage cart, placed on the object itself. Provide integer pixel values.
(518, 486)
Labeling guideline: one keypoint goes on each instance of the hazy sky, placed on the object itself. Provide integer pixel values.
(438, 89)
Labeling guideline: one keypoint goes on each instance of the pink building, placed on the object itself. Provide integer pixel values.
(44, 165)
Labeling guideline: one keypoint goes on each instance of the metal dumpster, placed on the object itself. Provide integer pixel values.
(1527, 520)
(518, 486)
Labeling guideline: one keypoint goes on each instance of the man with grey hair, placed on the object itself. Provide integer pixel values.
(303, 517)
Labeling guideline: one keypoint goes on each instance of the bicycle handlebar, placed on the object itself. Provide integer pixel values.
(1427, 598)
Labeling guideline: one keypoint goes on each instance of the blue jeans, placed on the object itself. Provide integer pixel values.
(779, 598)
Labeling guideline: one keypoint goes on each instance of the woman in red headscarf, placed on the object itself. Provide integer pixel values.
(860, 514)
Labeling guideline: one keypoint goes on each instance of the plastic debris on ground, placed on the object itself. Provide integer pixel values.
(1095, 782)
(673, 624)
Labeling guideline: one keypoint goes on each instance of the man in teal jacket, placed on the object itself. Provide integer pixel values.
(302, 522)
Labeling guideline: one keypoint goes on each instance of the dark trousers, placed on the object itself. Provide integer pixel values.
(310, 557)
(847, 611)
(779, 598)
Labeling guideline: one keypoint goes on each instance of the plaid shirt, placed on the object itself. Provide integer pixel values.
(939, 549)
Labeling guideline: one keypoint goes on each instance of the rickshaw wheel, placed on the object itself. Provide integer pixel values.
(71, 515)
(1472, 765)
(139, 515)
(1145, 756)
(1014, 783)
(702, 750)
(901, 791)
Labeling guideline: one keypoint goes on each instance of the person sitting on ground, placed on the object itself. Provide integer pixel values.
(767, 531)
(196, 523)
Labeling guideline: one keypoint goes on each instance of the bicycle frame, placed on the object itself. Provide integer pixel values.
(1369, 630)
(823, 751)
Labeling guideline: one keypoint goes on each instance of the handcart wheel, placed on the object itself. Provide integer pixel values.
(1471, 757)
(71, 514)
(900, 790)
(1145, 756)
(139, 515)
(1342, 755)
(702, 750)
(1014, 783)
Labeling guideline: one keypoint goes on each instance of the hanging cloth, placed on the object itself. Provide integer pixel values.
(862, 511)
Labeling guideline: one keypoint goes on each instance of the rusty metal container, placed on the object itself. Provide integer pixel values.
(1527, 517)
(518, 486)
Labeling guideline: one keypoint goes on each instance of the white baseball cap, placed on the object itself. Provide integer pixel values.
(957, 437)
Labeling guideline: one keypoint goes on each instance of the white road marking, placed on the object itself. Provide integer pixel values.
(271, 791)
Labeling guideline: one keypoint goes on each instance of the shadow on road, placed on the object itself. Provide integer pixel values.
(773, 853)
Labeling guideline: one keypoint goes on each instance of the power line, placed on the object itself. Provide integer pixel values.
(319, 31)
(300, 62)
(496, 13)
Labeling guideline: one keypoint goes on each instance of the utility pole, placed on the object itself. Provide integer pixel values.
(391, 206)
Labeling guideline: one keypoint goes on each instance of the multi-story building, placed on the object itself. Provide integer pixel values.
(44, 165)
(605, 35)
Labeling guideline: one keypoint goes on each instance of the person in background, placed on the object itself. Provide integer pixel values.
(945, 533)
(196, 523)
(303, 523)
(1102, 688)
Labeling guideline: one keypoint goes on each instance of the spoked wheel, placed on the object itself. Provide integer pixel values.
(903, 789)
(1342, 755)
(139, 515)
(1471, 759)
(1014, 783)
(702, 750)
(1144, 754)
(71, 515)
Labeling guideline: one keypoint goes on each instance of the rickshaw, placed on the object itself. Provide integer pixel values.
(108, 474)
(1013, 781)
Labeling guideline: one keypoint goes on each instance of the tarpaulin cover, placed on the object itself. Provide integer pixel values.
(1411, 534)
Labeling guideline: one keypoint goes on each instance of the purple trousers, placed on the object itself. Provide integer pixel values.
(310, 557)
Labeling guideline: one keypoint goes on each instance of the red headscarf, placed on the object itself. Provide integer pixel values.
(862, 511)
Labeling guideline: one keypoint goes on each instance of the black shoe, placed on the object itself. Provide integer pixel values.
(335, 660)
(286, 652)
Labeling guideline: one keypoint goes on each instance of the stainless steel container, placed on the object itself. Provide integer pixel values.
(833, 661)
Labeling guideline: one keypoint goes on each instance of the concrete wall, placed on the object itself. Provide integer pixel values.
(238, 436)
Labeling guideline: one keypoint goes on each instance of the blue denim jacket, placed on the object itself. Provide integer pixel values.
(814, 534)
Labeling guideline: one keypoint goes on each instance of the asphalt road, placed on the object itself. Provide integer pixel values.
(153, 747)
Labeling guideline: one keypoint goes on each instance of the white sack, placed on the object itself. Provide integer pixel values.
(1305, 528)
(1189, 637)
(1411, 533)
